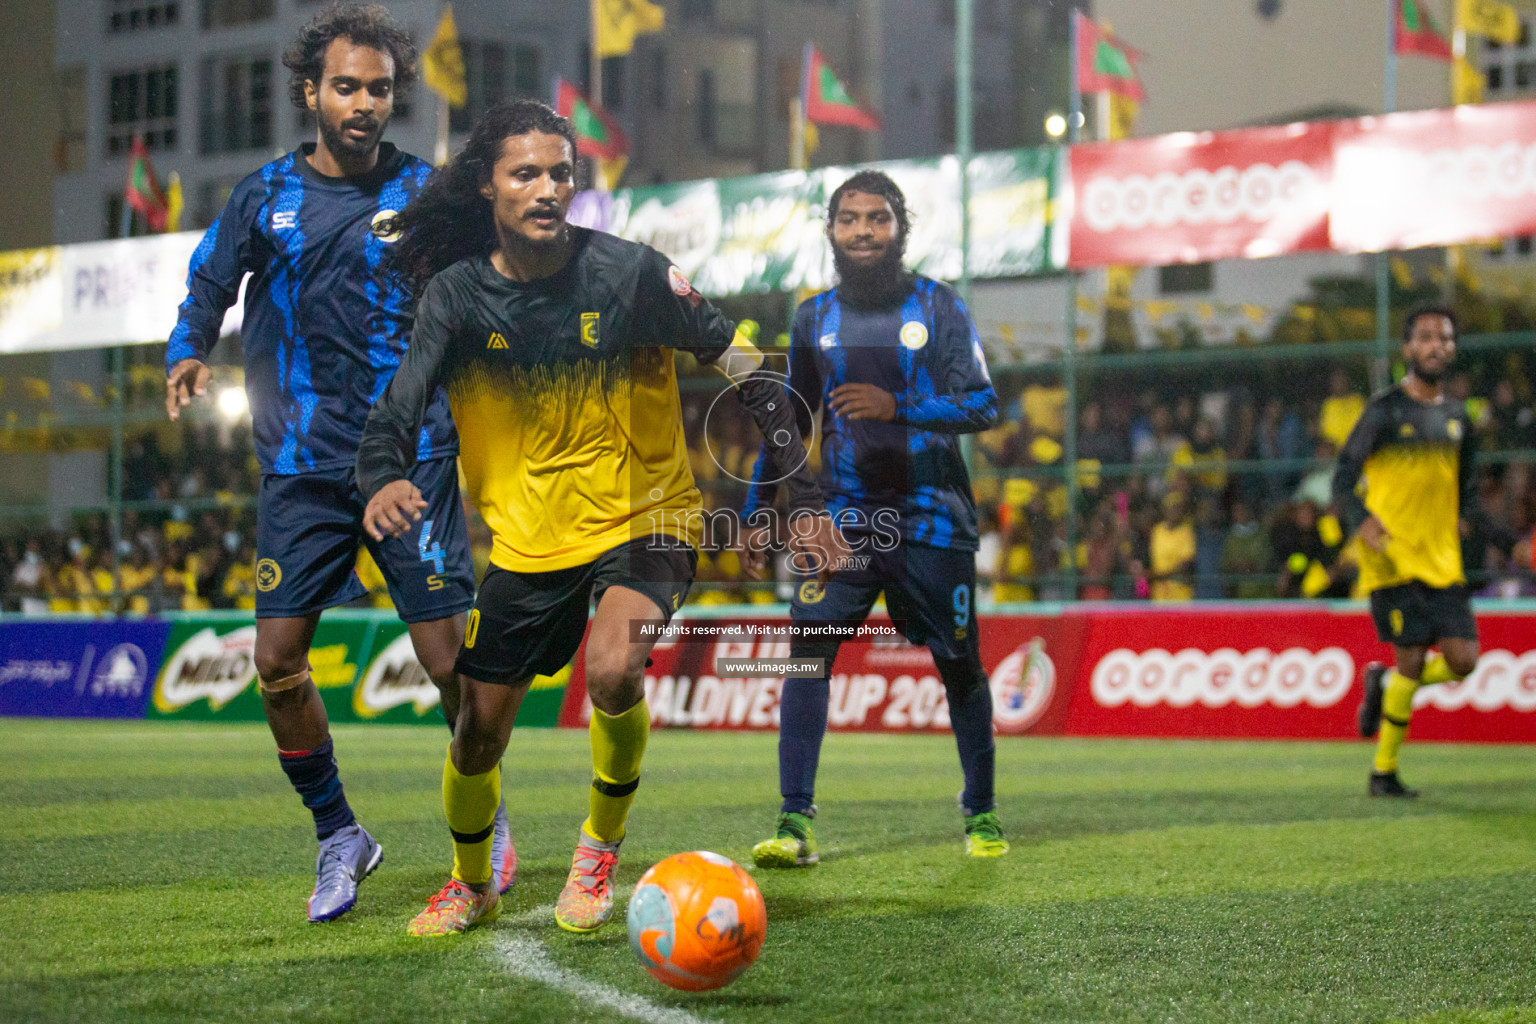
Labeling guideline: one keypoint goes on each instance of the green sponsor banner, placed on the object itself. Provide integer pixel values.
(209, 670)
(393, 687)
(766, 232)
(362, 662)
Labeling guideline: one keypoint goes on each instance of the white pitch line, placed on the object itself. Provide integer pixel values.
(525, 957)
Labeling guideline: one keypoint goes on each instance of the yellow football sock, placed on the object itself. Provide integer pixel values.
(1436, 670)
(471, 802)
(618, 744)
(1396, 708)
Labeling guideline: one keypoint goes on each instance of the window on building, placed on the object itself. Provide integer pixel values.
(236, 98)
(485, 78)
(1185, 278)
(142, 103)
(1495, 78)
(707, 109)
(1525, 34)
(224, 13)
(211, 197)
(1525, 74)
(115, 206)
(69, 147)
(137, 15)
(613, 83)
(659, 79)
(1523, 245)
(528, 71)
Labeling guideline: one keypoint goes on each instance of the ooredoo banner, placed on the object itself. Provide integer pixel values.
(1217, 672)
(1189, 197)
(1434, 177)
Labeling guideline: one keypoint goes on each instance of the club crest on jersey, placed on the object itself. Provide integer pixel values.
(1453, 430)
(268, 575)
(812, 593)
(1406, 430)
(679, 283)
(380, 226)
(283, 220)
(496, 341)
(914, 335)
(827, 340)
(589, 329)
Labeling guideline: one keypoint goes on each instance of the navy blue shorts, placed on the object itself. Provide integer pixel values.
(929, 593)
(308, 528)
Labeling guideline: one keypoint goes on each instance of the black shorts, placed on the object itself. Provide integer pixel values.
(309, 527)
(1414, 614)
(929, 592)
(527, 624)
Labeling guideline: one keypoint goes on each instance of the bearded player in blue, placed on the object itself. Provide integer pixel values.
(894, 362)
(326, 326)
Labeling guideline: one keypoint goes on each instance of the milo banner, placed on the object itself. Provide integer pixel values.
(209, 670)
(362, 663)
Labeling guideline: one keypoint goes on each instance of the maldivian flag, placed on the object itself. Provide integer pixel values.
(1104, 64)
(617, 22)
(143, 192)
(826, 99)
(1490, 19)
(442, 65)
(1418, 33)
(596, 133)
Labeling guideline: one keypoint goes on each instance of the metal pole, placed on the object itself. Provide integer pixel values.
(964, 43)
(1069, 349)
(1384, 259)
(119, 384)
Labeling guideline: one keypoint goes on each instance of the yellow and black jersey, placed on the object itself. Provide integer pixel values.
(565, 398)
(1409, 464)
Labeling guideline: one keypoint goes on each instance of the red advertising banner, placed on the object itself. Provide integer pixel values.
(880, 685)
(1434, 177)
(1293, 674)
(1189, 197)
(1223, 671)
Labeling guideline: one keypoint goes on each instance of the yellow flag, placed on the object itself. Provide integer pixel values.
(613, 170)
(617, 22)
(442, 65)
(1496, 21)
(1122, 116)
(1466, 83)
(174, 204)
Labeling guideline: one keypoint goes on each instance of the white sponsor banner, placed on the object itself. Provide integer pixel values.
(123, 292)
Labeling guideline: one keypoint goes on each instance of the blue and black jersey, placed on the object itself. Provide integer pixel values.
(325, 325)
(926, 352)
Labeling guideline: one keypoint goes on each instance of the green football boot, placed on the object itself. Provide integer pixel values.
(792, 846)
(984, 836)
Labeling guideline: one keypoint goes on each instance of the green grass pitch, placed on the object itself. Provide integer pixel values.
(158, 872)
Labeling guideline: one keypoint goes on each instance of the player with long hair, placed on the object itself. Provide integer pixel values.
(555, 344)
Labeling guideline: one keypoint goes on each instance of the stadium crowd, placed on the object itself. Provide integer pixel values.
(1214, 484)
